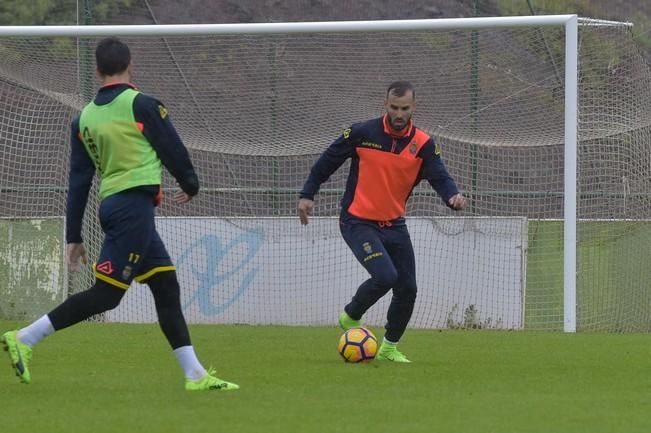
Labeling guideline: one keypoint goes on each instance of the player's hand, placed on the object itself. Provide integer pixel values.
(305, 206)
(180, 197)
(457, 202)
(74, 252)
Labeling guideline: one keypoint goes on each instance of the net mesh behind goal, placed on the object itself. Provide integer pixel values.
(255, 112)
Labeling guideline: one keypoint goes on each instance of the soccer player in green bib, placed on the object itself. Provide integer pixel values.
(127, 137)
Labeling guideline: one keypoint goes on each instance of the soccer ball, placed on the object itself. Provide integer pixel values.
(357, 345)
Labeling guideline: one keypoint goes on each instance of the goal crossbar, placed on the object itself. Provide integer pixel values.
(295, 27)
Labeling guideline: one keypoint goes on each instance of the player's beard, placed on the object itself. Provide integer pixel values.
(402, 123)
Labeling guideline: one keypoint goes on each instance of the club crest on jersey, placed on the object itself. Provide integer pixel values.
(126, 272)
(163, 111)
(105, 267)
(367, 248)
(413, 148)
(437, 149)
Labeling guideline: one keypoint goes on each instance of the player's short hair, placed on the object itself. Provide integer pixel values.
(400, 88)
(112, 56)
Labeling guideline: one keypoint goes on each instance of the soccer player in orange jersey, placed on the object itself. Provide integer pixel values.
(389, 157)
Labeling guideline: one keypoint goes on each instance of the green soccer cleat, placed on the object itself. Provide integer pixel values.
(346, 322)
(389, 352)
(20, 354)
(210, 383)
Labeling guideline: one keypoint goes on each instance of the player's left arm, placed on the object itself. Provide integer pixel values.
(162, 135)
(434, 170)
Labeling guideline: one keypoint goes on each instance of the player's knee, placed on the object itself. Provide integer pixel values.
(165, 288)
(106, 295)
(411, 294)
(405, 293)
(386, 277)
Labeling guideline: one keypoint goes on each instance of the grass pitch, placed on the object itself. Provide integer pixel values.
(123, 378)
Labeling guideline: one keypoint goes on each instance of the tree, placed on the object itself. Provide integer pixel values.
(53, 12)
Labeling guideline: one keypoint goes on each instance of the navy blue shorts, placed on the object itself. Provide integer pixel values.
(132, 248)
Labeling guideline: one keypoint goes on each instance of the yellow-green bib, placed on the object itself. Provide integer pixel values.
(122, 155)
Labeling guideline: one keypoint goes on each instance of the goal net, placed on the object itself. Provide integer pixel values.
(256, 109)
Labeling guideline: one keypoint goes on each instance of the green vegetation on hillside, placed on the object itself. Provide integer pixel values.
(55, 12)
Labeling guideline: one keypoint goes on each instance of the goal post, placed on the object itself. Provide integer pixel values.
(256, 103)
(569, 215)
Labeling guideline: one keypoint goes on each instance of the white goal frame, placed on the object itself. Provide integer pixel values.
(569, 22)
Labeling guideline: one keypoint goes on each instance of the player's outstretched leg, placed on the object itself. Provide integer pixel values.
(210, 382)
(389, 352)
(20, 354)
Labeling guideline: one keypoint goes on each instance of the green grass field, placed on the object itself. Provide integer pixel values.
(122, 378)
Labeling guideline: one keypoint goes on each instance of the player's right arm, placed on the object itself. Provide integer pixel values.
(80, 180)
(329, 161)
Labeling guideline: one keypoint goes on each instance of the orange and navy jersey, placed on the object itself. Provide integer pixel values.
(385, 167)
